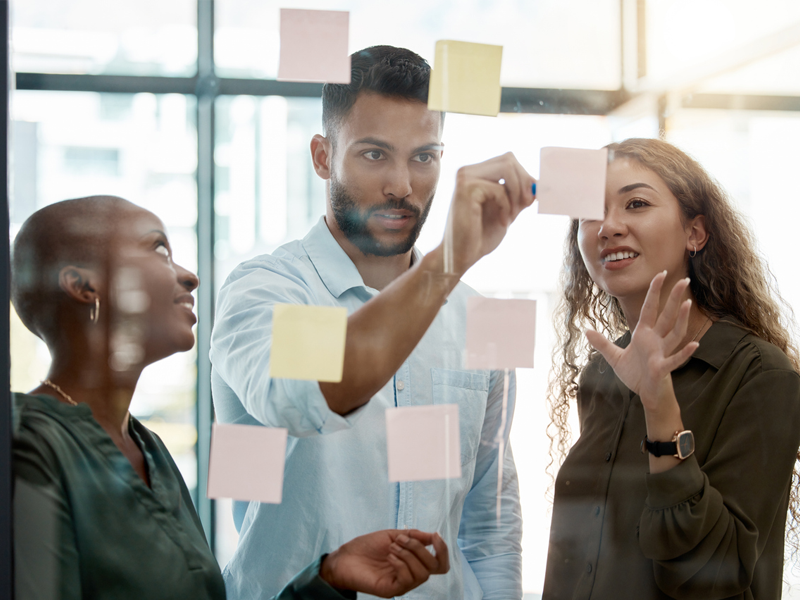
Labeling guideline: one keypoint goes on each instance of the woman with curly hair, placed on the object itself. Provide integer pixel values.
(680, 482)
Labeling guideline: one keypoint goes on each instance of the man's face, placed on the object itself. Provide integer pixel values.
(384, 170)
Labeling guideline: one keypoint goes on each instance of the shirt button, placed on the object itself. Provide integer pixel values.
(608, 456)
(589, 568)
(400, 385)
(597, 511)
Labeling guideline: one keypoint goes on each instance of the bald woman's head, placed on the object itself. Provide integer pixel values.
(73, 232)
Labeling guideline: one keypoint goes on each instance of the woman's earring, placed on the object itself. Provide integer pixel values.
(693, 254)
(94, 313)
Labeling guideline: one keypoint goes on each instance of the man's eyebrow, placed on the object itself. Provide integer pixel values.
(633, 186)
(376, 142)
(427, 148)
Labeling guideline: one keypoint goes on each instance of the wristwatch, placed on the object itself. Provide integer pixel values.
(681, 446)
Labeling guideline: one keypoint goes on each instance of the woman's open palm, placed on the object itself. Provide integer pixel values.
(647, 362)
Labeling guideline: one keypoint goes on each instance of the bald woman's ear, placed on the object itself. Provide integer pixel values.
(78, 283)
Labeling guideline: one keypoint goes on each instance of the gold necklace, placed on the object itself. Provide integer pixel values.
(57, 388)
(701, 328)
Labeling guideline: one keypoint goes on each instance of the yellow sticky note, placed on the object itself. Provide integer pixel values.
(466, 78)
(308, 342)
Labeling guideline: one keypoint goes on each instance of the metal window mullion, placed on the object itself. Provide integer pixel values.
(206, 91)
(6, 482)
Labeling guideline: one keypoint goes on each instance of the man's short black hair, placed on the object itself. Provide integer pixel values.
(386, 70)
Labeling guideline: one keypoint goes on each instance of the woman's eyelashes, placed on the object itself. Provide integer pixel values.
(637, 203)
(162, 248)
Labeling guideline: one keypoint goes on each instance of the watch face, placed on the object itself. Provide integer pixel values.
(685, 444)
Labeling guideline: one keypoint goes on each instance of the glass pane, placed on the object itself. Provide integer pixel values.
(754, 155)
(544, 44)
(686, 33)
(142, 147)
(145, 37)
(268, 194)
(267, 191)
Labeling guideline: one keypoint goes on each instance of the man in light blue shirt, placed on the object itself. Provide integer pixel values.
(405, 347)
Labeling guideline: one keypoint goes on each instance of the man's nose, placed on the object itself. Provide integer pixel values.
(398, 183)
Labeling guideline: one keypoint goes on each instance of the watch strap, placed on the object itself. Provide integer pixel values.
(658, 449)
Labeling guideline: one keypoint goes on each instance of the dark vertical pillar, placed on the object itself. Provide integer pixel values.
(207, 88)
(6, 484)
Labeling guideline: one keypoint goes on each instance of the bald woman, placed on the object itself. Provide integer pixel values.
(101, 510)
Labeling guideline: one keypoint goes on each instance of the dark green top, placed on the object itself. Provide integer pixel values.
(711, 527)
(87, 526)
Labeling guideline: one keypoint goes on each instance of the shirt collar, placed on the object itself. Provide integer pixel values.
(715, 346)
(333, 266)
(719, 341)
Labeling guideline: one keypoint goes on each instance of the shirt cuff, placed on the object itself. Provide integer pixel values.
(300, 406)
(308, 585)
(675, 486)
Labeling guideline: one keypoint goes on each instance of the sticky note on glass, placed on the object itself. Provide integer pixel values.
(501, 334)
(466, 78)
(572, 181)
(246, 463)
(314, 46)
(423, 442)
(308, 342)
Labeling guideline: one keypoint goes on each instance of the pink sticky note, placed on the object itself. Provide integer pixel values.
(572, 181)
(423, 442)
(501, 334)
(246, 463)
(314, 46)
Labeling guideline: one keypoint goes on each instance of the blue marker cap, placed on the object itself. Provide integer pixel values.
(533, 188)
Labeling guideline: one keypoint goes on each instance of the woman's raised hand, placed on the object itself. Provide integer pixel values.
(653, 353)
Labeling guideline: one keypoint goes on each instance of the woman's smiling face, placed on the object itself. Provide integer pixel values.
(643, 233)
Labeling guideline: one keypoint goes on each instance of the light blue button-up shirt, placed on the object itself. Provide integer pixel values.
(336, 484)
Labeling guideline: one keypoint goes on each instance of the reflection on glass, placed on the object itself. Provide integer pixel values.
(142, 147)
(686, 33)
(538, 50)
(267, 192)
(146, 37)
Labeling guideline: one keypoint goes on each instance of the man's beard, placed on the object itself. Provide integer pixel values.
(353, 223)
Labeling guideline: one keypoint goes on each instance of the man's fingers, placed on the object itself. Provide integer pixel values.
(417, 549)
(605, 347)
(404, 577)
(418, 571)
(442, 554)
(492, 197)
(507, 168)
(439, 546)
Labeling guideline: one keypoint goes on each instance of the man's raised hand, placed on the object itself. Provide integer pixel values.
(487, 199)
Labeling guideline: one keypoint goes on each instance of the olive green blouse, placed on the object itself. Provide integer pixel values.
(87, 526)
(711, 527)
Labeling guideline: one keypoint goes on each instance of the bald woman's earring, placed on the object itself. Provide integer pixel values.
(693, 254)
(94, 313)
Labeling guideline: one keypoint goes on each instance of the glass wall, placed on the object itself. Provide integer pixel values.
(144, 147)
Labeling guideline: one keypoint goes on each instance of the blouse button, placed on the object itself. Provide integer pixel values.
(400, 385)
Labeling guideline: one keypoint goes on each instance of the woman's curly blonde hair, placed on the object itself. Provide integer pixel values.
(728, 279)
